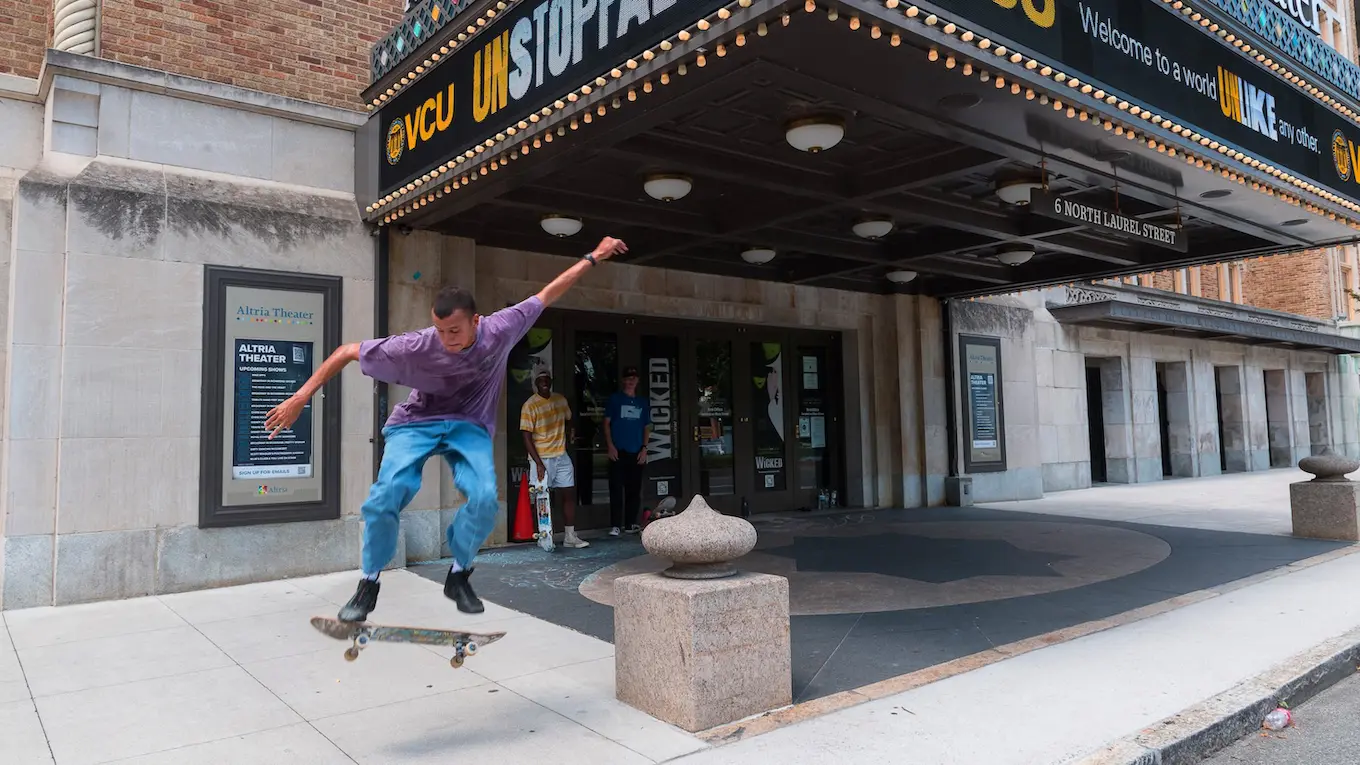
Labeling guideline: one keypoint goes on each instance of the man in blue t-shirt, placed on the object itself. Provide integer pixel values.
(627, 426)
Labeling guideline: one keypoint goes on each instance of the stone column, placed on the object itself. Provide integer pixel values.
(1117, 411)
(1279, 428)
(1147, 437)
(1205, 413)
(75, 26)
(725, 634)
(1180, 427)
(1232, 403)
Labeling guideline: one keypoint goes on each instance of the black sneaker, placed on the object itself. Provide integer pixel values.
(457, 589)
(364, 601)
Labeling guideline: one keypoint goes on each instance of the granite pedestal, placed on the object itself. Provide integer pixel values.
(702, 652)
(1326, 509)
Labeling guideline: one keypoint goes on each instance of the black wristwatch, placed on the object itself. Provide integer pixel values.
(589, 257)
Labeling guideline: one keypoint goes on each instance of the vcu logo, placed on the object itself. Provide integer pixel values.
(396, 142)
(420, 125)
(1343, 158)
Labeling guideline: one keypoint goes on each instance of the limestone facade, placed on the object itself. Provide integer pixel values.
(119, 185)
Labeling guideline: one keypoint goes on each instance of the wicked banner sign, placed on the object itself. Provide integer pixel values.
(1145, 51)
(531, 55)
(1107, 221)
(662, 387)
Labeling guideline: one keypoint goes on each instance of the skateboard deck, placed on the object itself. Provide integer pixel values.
(539, 495)
(464, 644)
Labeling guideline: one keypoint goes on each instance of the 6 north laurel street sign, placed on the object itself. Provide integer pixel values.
(1145, 51)
(536, 52)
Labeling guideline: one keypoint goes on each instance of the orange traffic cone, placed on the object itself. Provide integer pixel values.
(523, 529)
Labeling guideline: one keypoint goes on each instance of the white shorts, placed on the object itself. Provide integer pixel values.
(561, 474)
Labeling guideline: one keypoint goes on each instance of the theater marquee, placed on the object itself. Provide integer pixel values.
(1146, 52)
(531, 55)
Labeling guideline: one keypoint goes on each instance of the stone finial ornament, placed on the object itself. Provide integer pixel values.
(1329, 466)
(700, 542)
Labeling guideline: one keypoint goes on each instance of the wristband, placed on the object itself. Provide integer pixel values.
(589, 258)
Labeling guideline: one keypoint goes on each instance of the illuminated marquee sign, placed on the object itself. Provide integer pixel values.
(534, 53)
(1140, 50)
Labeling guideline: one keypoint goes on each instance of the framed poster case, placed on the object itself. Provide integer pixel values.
(264, 334)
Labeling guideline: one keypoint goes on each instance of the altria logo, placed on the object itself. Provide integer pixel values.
(1245, 103)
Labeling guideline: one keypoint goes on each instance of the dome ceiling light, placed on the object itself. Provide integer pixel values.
(1016, 256)
(560, 225)
(1016, 192)
(872, 228)
(901, 277)
(758, 255)
(667, 188)
(815, 134)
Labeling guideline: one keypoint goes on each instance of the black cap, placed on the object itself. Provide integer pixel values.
(630, 372)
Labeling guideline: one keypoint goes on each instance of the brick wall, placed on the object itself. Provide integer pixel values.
(316, 50)
(24, 31)
(1208, 283)
(1299, 283)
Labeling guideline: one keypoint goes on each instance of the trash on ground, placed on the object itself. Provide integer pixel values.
(1279, 719)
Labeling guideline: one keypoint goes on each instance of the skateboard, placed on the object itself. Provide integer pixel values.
(362, 633)
(664, 509)
(540, 497)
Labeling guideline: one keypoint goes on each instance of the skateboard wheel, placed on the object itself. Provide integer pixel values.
(456, 662)
(351, 653)
(470, 648)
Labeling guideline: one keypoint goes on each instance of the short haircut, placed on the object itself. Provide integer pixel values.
(452, 299)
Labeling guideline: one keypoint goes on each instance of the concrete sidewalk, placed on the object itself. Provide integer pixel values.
(1061, 703)
(238, 676)
(1251, 503)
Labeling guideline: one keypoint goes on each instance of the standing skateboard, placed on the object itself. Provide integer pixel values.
(362, 633)
(541, 499)
(664, 509)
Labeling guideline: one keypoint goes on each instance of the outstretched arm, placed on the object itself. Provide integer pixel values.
(608, 248)
(285, 414)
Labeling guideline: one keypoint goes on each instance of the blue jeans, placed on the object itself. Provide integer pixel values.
(467, 448)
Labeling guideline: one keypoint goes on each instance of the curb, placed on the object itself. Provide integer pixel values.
(766, 722)
(1204, 729)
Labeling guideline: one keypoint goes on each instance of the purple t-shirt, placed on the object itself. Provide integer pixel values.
(450, 386)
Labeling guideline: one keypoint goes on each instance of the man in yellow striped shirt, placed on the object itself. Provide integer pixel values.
(545, 421)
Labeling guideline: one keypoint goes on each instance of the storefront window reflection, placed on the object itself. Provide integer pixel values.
(813, 411)
(596, 370)
(717, 474)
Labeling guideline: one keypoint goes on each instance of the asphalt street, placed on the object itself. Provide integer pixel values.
(1325, 732)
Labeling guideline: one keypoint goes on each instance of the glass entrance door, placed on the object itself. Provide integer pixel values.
(816, 425)
(713, 426)
(595, 376)
(739, 414)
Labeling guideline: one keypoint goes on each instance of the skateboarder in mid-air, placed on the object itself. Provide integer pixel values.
(455, 369)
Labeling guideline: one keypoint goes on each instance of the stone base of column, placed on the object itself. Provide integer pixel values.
(702, 652)
(1326, 509)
